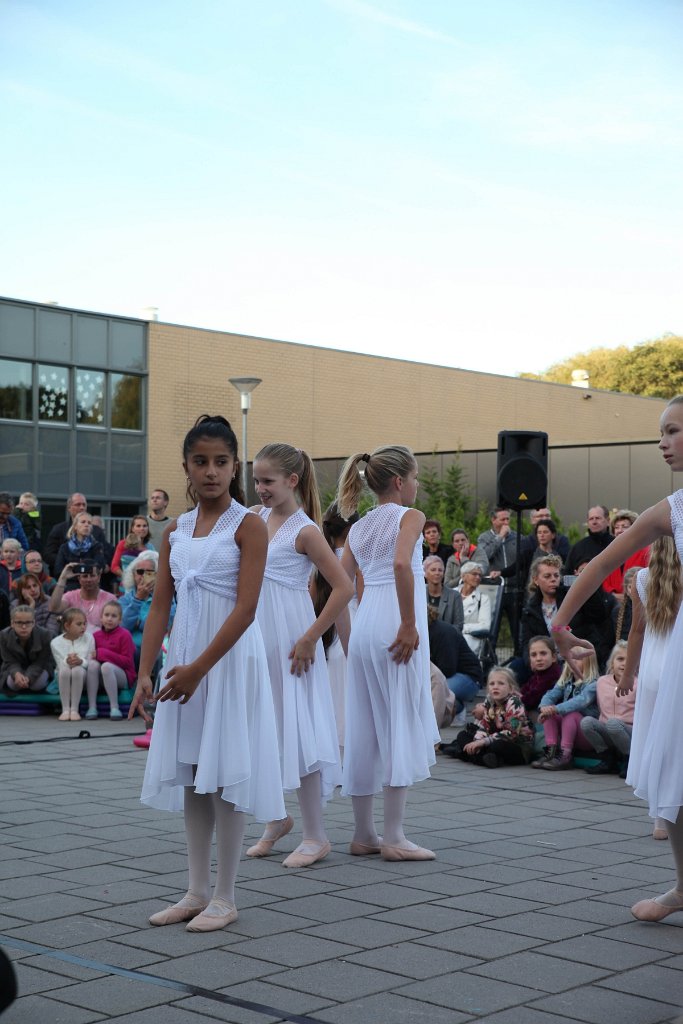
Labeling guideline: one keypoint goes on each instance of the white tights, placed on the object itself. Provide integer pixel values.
(113, 679)
(309, 795)
(674, 897)
(71, 680)
(203, 813)
(394, 811)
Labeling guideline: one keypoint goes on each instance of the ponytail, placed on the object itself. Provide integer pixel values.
(381, 466)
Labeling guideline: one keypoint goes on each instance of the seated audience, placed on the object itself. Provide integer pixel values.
(448, 603)
(622, 611)
(610, 734)
(33, 563)
(595, 541)
(26, 662)
(10, 564)
(463, 551)
(502, 733)
(75, 504)
(72, 651)
(476, 607)
(614, 583)
(89, 597)
(128, 549)
(561, 711)
(449, 652)
(139, 580)
(10, 527)
(545, 671)
(115, 654)
(28, 515)
(80, 547)
(27, 590)
(431, 532)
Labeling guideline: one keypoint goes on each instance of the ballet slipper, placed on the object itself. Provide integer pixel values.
(357, 849)
(264, 846)
(74, 716)
(411, 852)
(225, 914)
(185, 910)
(660, 833)
(65, 716)
(653, 910)
(144, 740)
(299, 859)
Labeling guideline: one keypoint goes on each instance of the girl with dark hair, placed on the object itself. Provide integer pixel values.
(285, 482)
(214, 744)
(391, 730)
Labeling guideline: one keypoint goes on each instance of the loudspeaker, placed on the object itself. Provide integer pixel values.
(522, 473)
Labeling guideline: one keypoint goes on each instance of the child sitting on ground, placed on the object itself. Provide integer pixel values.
(115, 652)
(72, 651)
(561, 711)
(502, 734)
(26, 662)
(545, 671)
(610, 734)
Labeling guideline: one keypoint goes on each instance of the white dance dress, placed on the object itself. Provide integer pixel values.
(657, 772)
(304, 713)
(224, 739)
(649, 672)
(391, 730)
(336, 667)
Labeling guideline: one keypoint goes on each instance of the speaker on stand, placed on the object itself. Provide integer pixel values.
(521, 483)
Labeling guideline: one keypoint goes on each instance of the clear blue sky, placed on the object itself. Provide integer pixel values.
(492, 184)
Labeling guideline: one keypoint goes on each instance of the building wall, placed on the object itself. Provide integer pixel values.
(332, 403)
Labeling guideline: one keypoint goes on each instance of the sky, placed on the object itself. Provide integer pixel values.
(493, 185)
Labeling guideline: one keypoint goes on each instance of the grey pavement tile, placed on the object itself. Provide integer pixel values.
(270, 994)
(429, 917)
(446, 883)
(652, 981)
(390, 1007)
(597, 1005)
(143, 846)
(551, 890)
(119, 892)
(537, 924)
(18, 868)
(414, 960)
(48, 906)
(539, 827)
(115, 954)
(626, 826)
(210, 1009)
(40, 1010)
(513, 850)
(67, 931)
(103, 994)
(324, 907)
(469, 994)
(214, 968)
(647, 873)
(136, 915)
(293, 951)
(627, 897)
(501, 874)
(593, 878)
(164, 1014)
(58, 844)
(492, 904)
(100, 874)
(289, 885)
(387, 894)
(43, 827)
(64, 968)
(170, 942)
(251, 868)
(545, 973)
(357, 871)
(460, 857)
(484, 943)
(30, 980)
(123, 832)
(162, 863)
(665, 936)
(255, 922)
(366, 932)
(336, 979)
(614, 955)
(593, 911)
(81, 858)
(530, 1017)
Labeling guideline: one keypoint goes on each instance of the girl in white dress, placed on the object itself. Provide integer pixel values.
(656, 597)
(661, 769)
(213, 752)
(285, 482)
(391, 730)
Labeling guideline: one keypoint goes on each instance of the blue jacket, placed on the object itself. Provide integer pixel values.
(134, 615)
(14, 530)
(573, 697)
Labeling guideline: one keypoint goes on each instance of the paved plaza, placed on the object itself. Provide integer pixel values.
(523, 918)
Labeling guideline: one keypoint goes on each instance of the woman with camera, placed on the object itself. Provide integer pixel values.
(80, 549)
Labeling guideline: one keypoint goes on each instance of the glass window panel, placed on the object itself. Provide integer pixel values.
(127, 459)
(90, 388)
(127, 346)
(16, 459)
(54, 335)
(16, 390)
(91, 340)
(91, 463)
(54, 460)
(126, 401)
(53, 393)
(16, 330)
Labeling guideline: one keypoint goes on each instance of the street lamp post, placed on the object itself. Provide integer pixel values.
(245, 386)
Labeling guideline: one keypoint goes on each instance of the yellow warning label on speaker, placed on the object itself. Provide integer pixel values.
(522, 497)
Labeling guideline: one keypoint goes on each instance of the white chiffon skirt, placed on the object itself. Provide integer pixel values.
(391, 730)
(224, 740)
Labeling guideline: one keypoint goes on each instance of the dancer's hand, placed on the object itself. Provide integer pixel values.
(181, 682)
(623, 688)
(302, 656)
(572, 648)
(143, 694)
(407, 640)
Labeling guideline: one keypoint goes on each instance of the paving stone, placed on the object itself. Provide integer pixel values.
(390, 1007)
(429, 917)
(58, 844)
(480, 942)
(115, 954)
(468, 993)
(30, 980)
(336, 979)
(537, 924)
(550, 891)
(597, 1005)
(500, 874)
(119, 892)
(545, 973)
(48, 906)
(652, 981)
(593, 911)
(590, 949)
(388, 894)
(492, 904)
(300, 951)
(214, 968)
(210, 1009)
(102, 874)
(67, 931)
(269, 994)
(114, 991)
(665, 936)
(52, 965)
(530, 1017)
(40, 1010)
(367, 933)
(413, 961)
(324, 907)
(170, 942)
(289, 885)
(11, 869)
(164, 1014)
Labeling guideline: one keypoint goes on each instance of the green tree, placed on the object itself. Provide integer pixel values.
(653, 368)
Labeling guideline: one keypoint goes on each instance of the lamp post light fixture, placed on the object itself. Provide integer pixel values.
(245, 386)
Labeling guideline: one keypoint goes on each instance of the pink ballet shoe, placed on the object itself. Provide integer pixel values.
(660, 833)
(651, 910)
(64, 717)
(407, 853)
(205, 922)
(357, 849)
(74, 716)
(144, 740)
(298, 859)
(176, 914)
(264, 846)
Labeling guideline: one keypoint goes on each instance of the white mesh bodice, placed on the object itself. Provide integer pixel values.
(373, 542)
(676, 503)
(284, 564)
(641, 584)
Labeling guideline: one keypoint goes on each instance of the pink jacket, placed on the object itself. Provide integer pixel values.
(117, 647)
(612, 706)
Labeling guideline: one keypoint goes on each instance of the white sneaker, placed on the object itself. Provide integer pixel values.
(460, 719)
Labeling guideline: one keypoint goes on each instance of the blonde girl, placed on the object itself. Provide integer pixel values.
(503, 734)
(285, 482)
(610, 734)
(72, 651)
(391, 730)
(560, 713)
